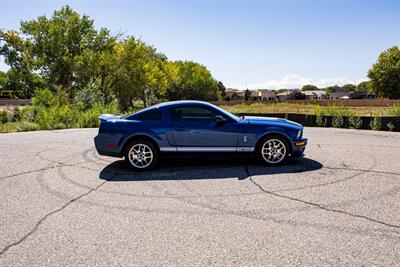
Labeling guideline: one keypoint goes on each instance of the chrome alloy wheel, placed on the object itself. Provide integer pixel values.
(140, 156)
(273, 151)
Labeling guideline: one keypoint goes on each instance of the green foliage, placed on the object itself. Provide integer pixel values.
(355, 122)
(367, 85)
(376, 123)
(321, 121)
(395, 110)
(43, 98)
(18, 127)
(332, 111)
(337, 122)
(5, 116)
(309, 87)
(385, 74)
(247, 95)
(349, 86)
(390, 126)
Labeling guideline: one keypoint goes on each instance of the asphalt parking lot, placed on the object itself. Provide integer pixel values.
(62, 204)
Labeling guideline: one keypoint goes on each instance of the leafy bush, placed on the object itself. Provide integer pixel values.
(337, 122)
(321, 121)
(376, 123)
(19, 127)
(43, 98)
(390, 126)
(5, 116)
(355, 122)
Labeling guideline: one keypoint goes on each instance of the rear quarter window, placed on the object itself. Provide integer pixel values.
(149, 115)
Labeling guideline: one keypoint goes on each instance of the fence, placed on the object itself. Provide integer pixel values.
(328, 121)
(323, 102)
(15, 102)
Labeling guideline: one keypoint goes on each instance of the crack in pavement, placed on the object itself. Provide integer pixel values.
(37, 225)
(316, 205)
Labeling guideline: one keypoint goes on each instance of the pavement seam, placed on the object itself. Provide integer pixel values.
(37, 225)
(316, 205)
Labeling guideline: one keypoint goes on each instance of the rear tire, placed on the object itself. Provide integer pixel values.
(141, 155)
(273, 150)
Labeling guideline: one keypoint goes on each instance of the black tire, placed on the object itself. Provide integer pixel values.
(268, 159)
(141, 144)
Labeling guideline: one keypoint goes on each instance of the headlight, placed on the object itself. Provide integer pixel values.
(299, 134)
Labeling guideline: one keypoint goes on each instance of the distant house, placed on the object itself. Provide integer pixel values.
(340, 93)
(287, 95)
(315, 95)
(263, 95)
(360, 94)
(233, 94)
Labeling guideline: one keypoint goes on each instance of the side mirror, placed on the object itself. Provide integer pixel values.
(220, 119)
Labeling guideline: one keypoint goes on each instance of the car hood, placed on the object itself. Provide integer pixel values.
(270, 121)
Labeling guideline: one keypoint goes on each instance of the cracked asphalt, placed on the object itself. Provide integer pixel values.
(62, 204)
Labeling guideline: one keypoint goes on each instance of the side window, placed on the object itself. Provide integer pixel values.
(150, 115)
(192, 113)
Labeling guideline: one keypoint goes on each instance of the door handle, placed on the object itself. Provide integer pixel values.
(180, 129)
(194, 131)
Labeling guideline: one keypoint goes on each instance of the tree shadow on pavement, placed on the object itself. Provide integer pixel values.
(203, 168)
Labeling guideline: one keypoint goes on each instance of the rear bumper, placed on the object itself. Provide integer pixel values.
(105, 150)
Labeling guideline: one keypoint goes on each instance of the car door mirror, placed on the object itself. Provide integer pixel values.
(220, 119)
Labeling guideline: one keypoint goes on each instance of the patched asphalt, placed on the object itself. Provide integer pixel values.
(62, 204)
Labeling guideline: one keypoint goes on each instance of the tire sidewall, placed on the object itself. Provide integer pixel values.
(261, 144)
(154, 150)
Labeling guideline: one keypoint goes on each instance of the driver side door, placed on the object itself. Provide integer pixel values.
(195, 129)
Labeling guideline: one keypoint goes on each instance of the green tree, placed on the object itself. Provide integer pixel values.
(55, 44)
(141, 73)
(349, 86)
(247, 95)
(309, 87)
(385, 74)
(367, 85)
(190, 80)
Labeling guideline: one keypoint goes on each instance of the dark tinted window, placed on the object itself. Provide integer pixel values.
(192, 113)
(150, 115)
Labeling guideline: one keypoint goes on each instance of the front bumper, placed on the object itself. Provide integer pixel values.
(298, 147)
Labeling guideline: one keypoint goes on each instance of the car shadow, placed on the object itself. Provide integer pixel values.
(203, 168)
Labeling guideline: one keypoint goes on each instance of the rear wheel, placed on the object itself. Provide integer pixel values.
(273, 150)
(141, 155)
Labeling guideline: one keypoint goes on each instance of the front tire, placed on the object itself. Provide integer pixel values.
(273, 150)
(141, 155)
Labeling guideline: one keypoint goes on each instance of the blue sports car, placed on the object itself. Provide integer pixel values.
(181, 127)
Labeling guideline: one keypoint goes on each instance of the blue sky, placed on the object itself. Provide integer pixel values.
(264, 44)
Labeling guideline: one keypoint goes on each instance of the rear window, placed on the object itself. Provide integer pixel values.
(150, 115)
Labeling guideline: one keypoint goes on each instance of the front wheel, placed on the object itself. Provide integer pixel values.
(141, 155)
(273, 150)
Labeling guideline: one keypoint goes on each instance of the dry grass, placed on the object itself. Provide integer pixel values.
(308, 109)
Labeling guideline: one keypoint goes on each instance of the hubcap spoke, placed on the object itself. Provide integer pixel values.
(273, 151)
(140, 156)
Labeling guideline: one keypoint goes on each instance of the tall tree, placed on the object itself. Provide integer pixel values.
(55, 44)
(190, 80)
(385, 74)
(309, 87)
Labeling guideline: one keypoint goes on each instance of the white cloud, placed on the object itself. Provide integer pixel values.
(293, 81)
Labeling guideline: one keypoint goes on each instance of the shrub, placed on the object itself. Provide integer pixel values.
(337, 122)
(355, 122)
(5, 116)
(375, 123)
(43, 98)
(390, 126)
(321, 121)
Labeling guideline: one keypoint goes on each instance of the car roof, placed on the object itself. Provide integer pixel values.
(182, 102)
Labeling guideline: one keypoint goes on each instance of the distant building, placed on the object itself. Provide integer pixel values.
(233, 94)
(263, 95)
(315, 95)
(340, 93)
